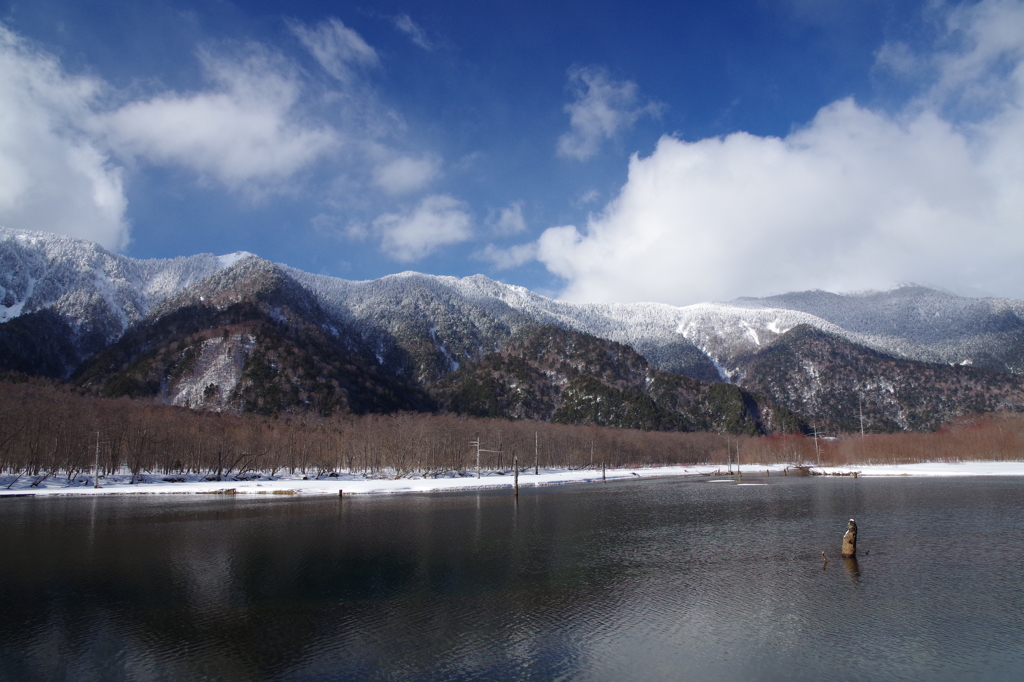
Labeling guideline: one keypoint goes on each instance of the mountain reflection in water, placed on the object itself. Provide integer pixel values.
(663, 579)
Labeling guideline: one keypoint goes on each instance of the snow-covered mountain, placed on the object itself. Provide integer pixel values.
(702, 340)
(63, 300)
(99, 295)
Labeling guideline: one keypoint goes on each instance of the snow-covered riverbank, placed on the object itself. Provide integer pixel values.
(328, 485)
(358, 484)
(978, 468)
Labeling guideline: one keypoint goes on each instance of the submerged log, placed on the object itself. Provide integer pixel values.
(850, 540)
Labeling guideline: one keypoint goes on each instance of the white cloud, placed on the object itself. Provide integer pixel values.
(406, 174)
(335, 46)
(438, 220)
(418, 36)
(508, 220)
(245, 129)
(856, 199)
(511, 257)
(602, 109)
(54, 176)
(258, 125)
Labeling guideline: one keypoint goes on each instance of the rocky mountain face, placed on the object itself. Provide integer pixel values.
(239, 333)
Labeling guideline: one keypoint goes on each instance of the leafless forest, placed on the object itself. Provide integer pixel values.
(46, 429)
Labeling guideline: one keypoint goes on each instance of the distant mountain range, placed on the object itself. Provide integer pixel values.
(240, 333)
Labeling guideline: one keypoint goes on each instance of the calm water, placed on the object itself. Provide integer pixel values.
(651, 580)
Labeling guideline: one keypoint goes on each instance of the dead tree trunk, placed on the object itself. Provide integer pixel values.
(850, 540)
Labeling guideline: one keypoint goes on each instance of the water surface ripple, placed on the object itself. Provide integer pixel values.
(644, 580)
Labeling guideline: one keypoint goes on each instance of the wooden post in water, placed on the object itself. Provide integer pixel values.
(850, 541)
(96, 469)
(603, 465)
(515, 482)
(536, 454)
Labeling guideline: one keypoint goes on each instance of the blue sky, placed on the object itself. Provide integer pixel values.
(598, 151)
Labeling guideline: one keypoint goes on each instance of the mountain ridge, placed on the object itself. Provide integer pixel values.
(418, 330)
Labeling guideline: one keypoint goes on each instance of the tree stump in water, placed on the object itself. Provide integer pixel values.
(850, 540)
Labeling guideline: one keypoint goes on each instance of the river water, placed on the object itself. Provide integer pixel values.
(671, 579)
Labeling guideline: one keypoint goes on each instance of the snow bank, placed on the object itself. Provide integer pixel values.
(326, 485)
(979, 468)
(355, 484)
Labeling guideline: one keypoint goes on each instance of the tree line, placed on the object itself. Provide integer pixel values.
(48, 430)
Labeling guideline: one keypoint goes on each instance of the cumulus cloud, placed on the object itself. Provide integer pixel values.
(406, 174)
(335, 46)
(245, 129)
(508, 220)
(416, 34)
(54, 176)
(603, 107)
(438, 220)
(257, 125)
(855, 199)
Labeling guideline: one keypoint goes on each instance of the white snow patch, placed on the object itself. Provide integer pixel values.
(12, 311)
(357, 484)
(718, 367)
(220, 363)
(347, 483)
(976, 468)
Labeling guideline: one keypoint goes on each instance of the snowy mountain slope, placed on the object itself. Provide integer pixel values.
(919, 314)
(246, 338)
(473, 315)
(425, 325)
(840, 385)
(701, 340)
(97, 294)
(419, 326)
(918, 323)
